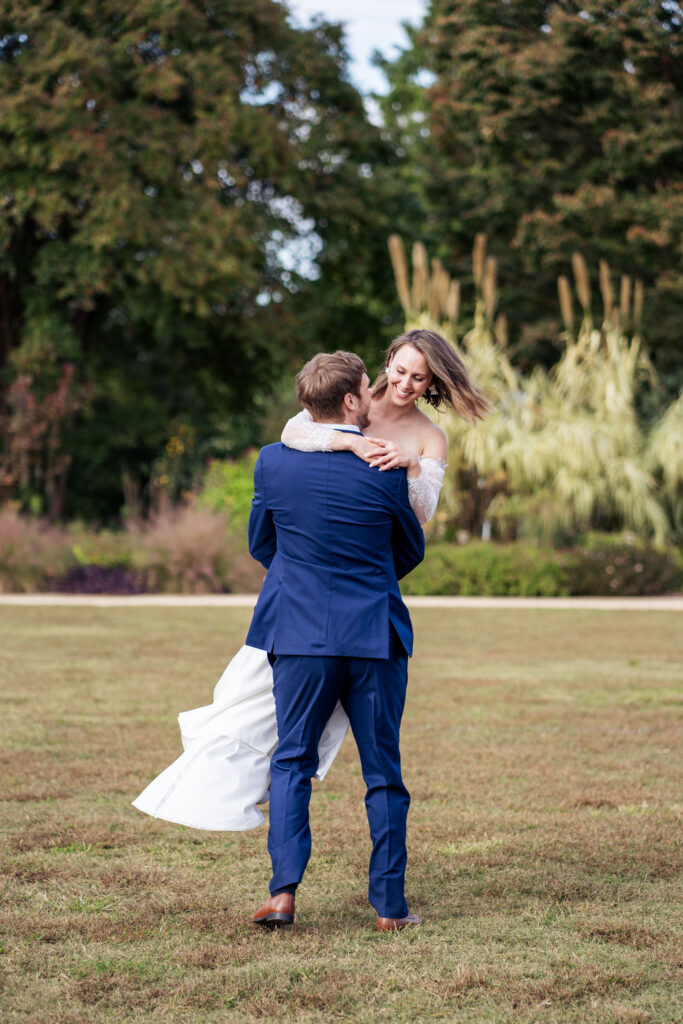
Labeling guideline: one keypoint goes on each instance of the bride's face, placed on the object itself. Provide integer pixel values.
(408, 375)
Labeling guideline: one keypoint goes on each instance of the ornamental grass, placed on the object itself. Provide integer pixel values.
(565, 450)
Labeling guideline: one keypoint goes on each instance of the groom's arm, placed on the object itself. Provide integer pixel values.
(407, 538)
(262, 535)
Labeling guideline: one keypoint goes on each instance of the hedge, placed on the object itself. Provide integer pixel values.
(193, 549)
(617, 566)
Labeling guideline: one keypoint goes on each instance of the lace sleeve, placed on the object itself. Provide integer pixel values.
(424, 490)
(303, 433)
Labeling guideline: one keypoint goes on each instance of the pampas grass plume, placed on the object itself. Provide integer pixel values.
(583, 287)
(489, 287)
(400, 265)
(566, 305)
(453, 301)
(420, 275)
(638, 304)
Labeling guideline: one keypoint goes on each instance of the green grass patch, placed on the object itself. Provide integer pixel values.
(541, 752)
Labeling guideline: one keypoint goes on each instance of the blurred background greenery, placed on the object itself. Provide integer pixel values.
(194, 201)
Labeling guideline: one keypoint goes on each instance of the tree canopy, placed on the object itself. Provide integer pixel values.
(552, 127)
(169, 173)
(193, 200)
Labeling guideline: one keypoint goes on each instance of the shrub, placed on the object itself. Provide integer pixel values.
(228, 488)
(189, 550)
(608, 564)
(106, 549)
(185, 549)
(604, 565)
(96, 579)
(485, 569)
(106, 563)
(33, 554)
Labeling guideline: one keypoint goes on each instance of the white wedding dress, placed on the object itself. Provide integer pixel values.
(224, 770)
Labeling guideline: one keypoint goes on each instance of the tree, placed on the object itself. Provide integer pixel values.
(160, 163)
(551, 126)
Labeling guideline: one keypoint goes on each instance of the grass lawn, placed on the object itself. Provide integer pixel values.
(540, 751)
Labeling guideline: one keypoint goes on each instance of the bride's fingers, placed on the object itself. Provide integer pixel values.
(388, 461)
(373, 455)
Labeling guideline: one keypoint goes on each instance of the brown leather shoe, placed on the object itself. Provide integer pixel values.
(395, 924)
(276, 912)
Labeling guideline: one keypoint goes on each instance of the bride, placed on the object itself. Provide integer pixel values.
(223, 773)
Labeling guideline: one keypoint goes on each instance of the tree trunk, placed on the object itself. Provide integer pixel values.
(5, 320)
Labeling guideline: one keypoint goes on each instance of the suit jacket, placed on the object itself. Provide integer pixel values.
(335, 536)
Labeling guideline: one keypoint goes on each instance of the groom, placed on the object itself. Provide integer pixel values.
(335, 535)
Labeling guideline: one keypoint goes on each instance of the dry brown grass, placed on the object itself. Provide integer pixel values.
(540, 750)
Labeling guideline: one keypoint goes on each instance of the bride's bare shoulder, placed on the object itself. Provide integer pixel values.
(432, 439)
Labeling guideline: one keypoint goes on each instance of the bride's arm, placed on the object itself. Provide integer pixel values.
(424, 490)
(303, 433)
(425, 472)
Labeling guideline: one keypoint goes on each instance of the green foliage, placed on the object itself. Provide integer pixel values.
(603, 565)
(664, 458)
(193, 198)
(619, 564)
(483, 569)
(228, 488)
(551, 127)
(157, 160)
(106, 549)
(195, 549)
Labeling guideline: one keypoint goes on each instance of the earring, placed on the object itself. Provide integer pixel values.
(432, 392)
(386, 369)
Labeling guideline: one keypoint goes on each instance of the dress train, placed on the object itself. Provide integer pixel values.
(224, 771)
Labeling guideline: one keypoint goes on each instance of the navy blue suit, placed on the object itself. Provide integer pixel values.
(335, 536)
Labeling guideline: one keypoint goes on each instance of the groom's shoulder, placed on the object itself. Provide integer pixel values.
(278, 454)
(270, 449)
(278, 450)
(274, 451)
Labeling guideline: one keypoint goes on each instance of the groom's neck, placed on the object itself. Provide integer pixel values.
(342, 419)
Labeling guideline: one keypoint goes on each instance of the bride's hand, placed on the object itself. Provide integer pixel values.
(388, 455)
(361, 445)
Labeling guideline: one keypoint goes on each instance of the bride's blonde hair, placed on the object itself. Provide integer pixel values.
(451, 383)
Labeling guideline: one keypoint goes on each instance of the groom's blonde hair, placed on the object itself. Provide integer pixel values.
(324, 381)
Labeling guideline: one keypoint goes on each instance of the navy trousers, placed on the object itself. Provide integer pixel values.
(372, 692)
